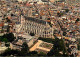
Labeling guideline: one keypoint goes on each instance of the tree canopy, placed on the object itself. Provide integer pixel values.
(49, 40)
(57, 47)
(9, 36)
(25, 48)
(3, 39)
(32, 34)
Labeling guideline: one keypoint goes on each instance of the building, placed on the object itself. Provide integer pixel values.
(21, 38)
(21, 0)
(5, 27)
(39, 27)
(2, 47)
(1, 25)
(72, 2)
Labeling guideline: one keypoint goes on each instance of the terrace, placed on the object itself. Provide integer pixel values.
(42, 46)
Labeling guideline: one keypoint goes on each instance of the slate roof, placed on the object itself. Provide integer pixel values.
(36, 20)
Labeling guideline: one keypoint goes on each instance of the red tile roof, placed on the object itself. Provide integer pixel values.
(48, 20)
(1, 24)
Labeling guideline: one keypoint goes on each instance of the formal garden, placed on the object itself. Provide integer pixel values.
(46, 45)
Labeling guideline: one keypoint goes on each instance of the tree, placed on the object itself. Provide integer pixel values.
(25, 48)
(42, 54)
(67, 10)
(8, 20)
(10, 52)
(64, 33)
(5, 40)
(32, 34)
(78, 46)
(33, 53)
(77, 19)
(72, 55)
(8, 29)
(59, 14)
(9, 36)
(57, 47)
(49, 40)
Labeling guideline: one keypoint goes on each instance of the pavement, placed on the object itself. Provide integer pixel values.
(37, 46)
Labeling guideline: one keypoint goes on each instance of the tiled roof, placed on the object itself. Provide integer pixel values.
(36, 20)
(1, 24)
